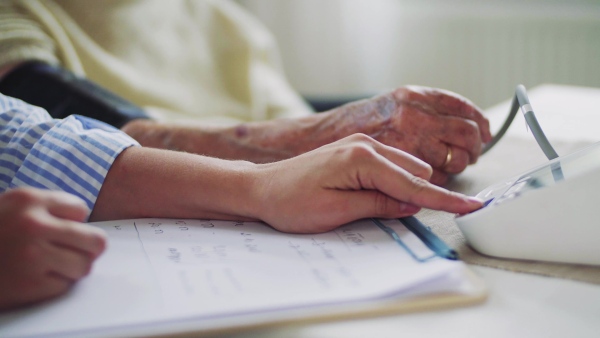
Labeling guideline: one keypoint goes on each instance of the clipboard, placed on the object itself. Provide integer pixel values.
(359, 247)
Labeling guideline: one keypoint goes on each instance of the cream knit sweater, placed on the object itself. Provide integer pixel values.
(181, 60)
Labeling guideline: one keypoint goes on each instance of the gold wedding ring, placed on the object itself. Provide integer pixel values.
(448, 157)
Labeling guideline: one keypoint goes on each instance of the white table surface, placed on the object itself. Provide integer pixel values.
(519, 305)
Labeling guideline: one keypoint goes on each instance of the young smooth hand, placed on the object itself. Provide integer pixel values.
(44, 248)
(354, 178)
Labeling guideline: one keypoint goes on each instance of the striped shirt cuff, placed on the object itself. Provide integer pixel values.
(73, 154)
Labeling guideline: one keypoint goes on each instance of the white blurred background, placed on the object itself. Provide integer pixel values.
(478, 48)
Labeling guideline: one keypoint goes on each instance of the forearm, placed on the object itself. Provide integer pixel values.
(258, 142)
(265, 141)
(145, 182)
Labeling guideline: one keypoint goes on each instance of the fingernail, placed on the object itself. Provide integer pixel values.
(410, 208)
(474, 201)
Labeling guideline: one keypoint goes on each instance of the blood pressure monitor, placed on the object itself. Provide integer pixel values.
(550, 213)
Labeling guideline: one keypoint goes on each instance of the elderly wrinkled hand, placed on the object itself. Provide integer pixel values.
(440, 127)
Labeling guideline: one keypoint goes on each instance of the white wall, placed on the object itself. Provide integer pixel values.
(479, 48)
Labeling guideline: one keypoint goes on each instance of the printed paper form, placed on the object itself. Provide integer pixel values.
(163, 270)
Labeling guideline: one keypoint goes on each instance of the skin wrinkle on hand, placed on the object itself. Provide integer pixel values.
(371, 117)
(386, 106)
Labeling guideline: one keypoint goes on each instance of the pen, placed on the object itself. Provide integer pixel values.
(397, 239)
(430, 239)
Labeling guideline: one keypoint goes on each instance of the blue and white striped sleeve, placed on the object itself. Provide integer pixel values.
(73, 154)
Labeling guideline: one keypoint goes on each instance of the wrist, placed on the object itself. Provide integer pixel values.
(371, 117)
(257, 202)
(241, 192)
